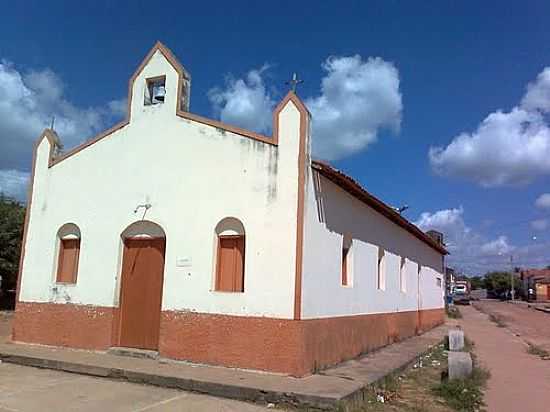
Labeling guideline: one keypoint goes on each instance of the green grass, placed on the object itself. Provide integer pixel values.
(422, 388)
(464, 394)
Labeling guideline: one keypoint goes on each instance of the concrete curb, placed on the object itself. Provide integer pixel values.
(230, 391)
(356, 397)
(342, 386)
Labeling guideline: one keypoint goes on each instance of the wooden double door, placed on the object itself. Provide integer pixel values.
(141, 292)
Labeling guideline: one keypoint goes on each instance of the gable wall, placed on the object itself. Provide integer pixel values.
(193, 175)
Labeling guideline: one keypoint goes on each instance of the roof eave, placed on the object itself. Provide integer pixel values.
(355, 189)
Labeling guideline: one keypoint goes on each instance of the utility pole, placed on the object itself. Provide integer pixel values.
(512, 292)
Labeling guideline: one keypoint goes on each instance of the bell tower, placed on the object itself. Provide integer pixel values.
(160, 85)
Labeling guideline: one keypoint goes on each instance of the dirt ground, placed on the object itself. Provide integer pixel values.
(530, 324)
(519, 381)
(5, 325)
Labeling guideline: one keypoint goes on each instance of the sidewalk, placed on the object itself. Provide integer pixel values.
(519, 381)
(323, 390)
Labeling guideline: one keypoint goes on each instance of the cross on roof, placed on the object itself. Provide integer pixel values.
(294, 82)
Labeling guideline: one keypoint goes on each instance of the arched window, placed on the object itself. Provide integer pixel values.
(230, 255)
(143, 229)
(68, 253)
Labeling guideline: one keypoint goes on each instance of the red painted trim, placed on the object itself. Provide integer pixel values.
(303, 161)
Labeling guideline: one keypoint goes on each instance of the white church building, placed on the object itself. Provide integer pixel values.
(209, 243)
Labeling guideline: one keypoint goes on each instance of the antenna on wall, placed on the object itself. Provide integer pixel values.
(52, 124)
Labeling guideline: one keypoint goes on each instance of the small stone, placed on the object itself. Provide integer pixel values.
(270, 405)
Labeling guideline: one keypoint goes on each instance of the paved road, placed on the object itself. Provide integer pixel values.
(25, 389)
(519, 381)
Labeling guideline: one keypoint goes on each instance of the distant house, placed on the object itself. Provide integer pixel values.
(210, 243)
(538, 280)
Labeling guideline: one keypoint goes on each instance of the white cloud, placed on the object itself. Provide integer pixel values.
(447, 221)
(507, 148)
(543, 201)
(245, 102)
(470, 250)
(358, 98)
(537, 96)
(29, 102)
(13, 183)
(540, 224)
(496, 247)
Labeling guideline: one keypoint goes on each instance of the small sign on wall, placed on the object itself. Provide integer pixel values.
(183, 262)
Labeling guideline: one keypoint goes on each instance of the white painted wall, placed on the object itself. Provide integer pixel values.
(322, 292)
(431, 295)
(193, 175)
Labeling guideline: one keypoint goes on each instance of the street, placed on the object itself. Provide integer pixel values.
(530, 324)
(519, 381)
(25, 389)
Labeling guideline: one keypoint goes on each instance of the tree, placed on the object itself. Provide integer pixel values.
(498, 283)
(477, 282)
(12, 217)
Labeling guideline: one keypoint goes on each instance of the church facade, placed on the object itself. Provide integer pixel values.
(205, 242)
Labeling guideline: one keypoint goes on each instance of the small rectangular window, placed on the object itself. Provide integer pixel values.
(403, 275)
(438, 282)
(155, 91)
(381, 282)
(345, 279)
(67, 264)
(230, 264)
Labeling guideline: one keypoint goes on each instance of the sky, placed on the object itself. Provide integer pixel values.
(440, 105)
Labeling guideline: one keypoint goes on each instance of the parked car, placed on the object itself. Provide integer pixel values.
(461, 294)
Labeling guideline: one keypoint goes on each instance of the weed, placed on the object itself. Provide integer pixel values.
(537, 351)
(498, 320)
(453, 312)
(464, 394)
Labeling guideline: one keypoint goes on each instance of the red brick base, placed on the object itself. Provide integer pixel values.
(296, 347)
(246, 342)
(75, 326)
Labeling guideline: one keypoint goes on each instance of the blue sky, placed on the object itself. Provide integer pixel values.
(443, 67)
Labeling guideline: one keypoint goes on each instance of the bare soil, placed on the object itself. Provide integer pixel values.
(519, 381)
(5, 325)
(531, 325)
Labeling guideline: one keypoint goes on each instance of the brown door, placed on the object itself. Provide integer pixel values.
(141, 293)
